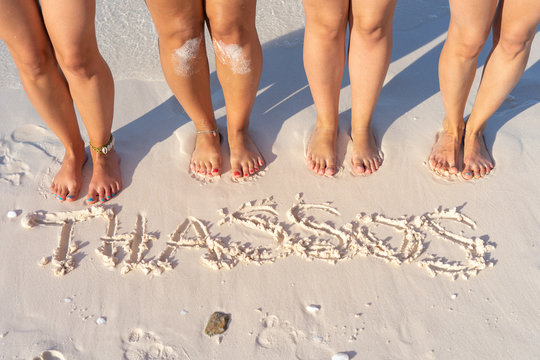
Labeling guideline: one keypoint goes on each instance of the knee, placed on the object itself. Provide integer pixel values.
(178, 34)
(470, 47)
(512, 44)
(328, 26)
(35, 64)
(231, 30)
(78, 62)
(373, 30)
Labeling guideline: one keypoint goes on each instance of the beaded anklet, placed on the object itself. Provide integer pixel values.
(105, 149)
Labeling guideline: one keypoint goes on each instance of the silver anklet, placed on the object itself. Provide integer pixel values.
(215, 132)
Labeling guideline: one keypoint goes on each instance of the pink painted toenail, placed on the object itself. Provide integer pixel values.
(215, 170)
(236, 173)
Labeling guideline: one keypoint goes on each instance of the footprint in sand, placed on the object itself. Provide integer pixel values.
(142, 345)
(39, 137)
(280, 340)
(50, 355)
(277, 337)
(11, 169)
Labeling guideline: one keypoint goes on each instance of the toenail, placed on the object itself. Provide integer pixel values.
(59, 198)
(246, 174)
(252, 171)
(70, 196)
(90, 199)
(256, 169)
(112, 194)
(101, 199)
(236, 173)
(215, 170)
(108, 197)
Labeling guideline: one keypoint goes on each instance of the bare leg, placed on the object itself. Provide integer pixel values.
(239, 66)
(470, 23)
(370, 50)
(180, 26)
(70, 24)
(22, 28)
(324, 60)
(514, 29)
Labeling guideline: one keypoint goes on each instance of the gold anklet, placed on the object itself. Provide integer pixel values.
(105, 149)
(215, 132)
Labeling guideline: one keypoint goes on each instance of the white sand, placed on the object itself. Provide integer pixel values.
(376, 256)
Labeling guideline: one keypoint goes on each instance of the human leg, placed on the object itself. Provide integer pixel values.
(239, 65)
(514, 29)
(370, 48)
(180, 27)
(469, 27)
(22, 29)
(70, 25)
(324, 61)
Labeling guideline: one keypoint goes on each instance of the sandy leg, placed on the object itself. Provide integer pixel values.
(476, 159)
(321, 151)
(366, 158)
(106, 180)
(245, 157)
(206, 157)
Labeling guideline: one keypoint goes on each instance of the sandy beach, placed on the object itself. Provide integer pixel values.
(401, 264)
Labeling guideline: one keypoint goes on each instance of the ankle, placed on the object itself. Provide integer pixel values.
(75, 151)
(454, 127)
(474, 131)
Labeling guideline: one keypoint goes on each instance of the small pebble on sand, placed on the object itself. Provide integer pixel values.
(217, 324)
(183, 312)
(313, 308)
(454, 296)
(11, 214)
(68, 300)
(101, 320)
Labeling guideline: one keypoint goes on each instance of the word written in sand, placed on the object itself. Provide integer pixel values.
(315, 240)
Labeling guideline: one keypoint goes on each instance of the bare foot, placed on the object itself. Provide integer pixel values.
(366, 158)
(246, 159)
(206, 157)
(321, 151)
(67, 182)
(106, 179)
(476, 159)
(445, 152)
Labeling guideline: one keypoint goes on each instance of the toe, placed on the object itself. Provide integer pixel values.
(92, 196)
(359, 168)
(330, 169)
(374, 165)
(61, 193)
(208, 168)
(245, 170)
(102, 195)
(467, 173)
(108, 193)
